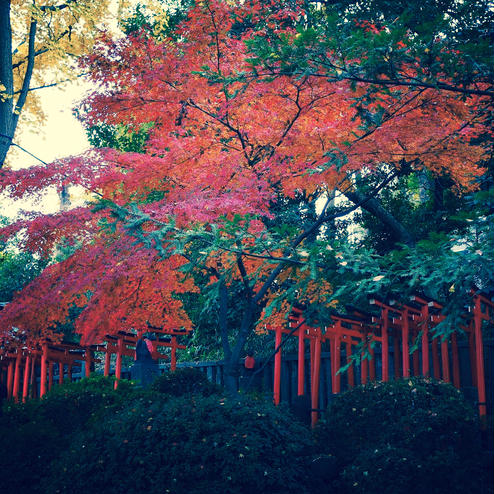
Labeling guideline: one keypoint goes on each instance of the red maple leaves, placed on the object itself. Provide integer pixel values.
(224, 140)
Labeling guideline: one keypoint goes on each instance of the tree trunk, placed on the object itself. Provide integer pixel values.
(7, 80)
(231, 364)
(374, 207)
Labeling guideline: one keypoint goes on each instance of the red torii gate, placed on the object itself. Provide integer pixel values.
(124, 343)
(20, 360)
(409, 325)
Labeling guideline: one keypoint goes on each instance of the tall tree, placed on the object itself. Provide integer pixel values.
(39, 42)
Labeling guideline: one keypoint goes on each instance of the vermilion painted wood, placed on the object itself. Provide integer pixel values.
(479, 356)
(118, 363)
(405, 345)
(385, 344)
(43, 371)
(106, 371)
(60, 373)
(337, 357)
(17, 376)
(301, 361)
(277, 367)
(88, 359)
(10, 378)
(315, 381)
(173, 362)
(435, 359)
(311, 344)
(425, 341)
(25, 384)
(445, 361)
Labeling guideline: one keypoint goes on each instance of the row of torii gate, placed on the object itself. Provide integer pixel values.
(403, 326)
(19, 362)
(415, 349)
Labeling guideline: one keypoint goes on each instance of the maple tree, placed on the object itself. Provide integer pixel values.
(232, 190)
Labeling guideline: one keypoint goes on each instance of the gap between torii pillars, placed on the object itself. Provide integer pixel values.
(25, 384)
(385, 344)
(277, 366)
(301, 361)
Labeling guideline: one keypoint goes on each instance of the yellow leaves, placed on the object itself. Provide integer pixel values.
(62, 35)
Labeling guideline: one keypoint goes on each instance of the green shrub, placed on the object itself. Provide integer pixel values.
(191, 444)
(406, 436)
(32, 434)
(184, 381)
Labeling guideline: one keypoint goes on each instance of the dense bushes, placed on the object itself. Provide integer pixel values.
(407, 436)
(32, 434)
(191, 444)
(183, 436)
(183, 381)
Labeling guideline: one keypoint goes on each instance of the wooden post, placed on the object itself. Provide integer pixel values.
(315, 381)
(17, 376)
(10, 379)
(44, 357)
(88, 354)
(312, 346)
(277, 367)
(445, 360)
(106, 372)
(118, 363)
(479, 357)
(25, 384)
(385, 345)
(173, 360)
(43, 371)
(301, 361)
(60, 373)
(335, 360)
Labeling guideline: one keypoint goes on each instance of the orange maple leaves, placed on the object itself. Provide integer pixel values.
(224, 140)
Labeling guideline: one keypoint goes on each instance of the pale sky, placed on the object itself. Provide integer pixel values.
(61, 135)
